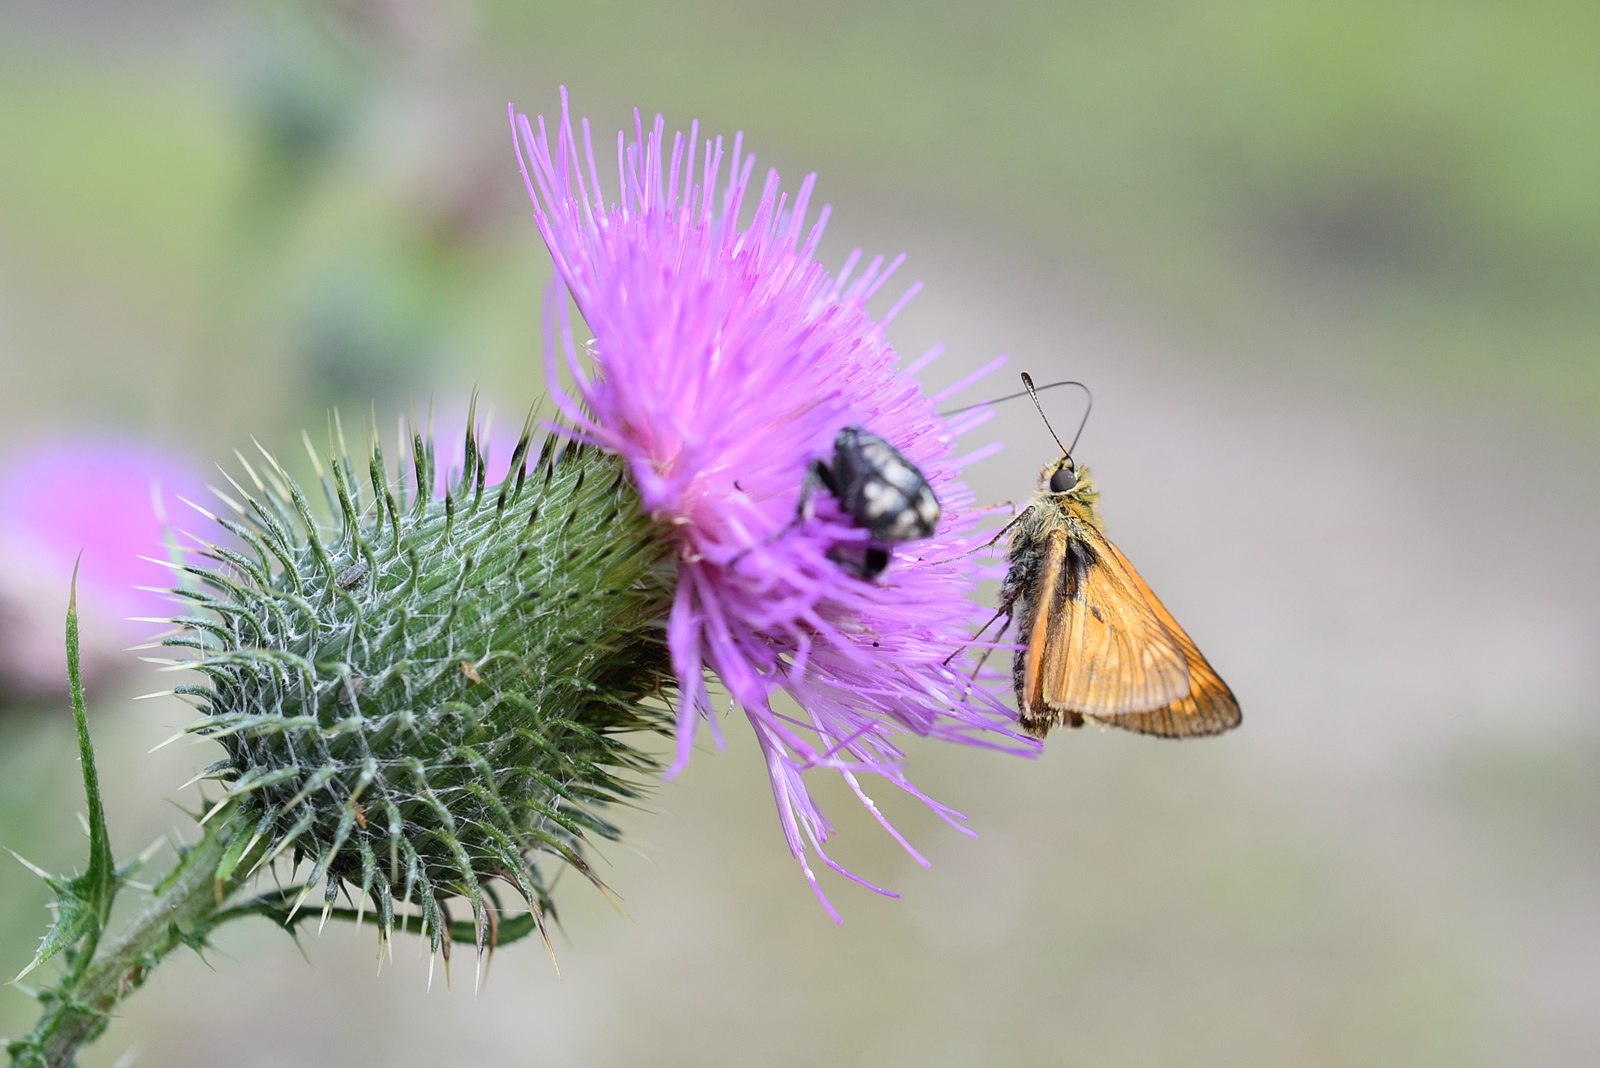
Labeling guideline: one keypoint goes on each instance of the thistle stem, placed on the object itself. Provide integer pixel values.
(183, 911)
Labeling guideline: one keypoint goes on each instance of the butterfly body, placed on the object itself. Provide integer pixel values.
(1096, 645)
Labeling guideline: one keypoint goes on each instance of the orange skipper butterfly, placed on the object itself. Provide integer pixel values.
(1097, 645)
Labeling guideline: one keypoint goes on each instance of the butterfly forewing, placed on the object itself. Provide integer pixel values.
(1105, 651)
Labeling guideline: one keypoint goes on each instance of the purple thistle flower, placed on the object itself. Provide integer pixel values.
(94, 496)
(725, 359)
(101, 497)
(495, 441)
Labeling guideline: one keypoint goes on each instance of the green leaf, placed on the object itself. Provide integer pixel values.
(238, 845)
(278, 905)
(74, 916)
(83, 904)
(101, 878)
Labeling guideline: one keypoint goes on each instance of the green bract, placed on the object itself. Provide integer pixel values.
(426, 695)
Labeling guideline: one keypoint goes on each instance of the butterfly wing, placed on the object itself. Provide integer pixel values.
(1208, 707)
(1096, 647)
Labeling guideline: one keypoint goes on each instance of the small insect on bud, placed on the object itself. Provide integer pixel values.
(353, 687)
(881, 491)
(351, 576)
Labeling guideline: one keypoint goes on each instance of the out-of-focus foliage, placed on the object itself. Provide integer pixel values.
(1424, 174)
(328, 182)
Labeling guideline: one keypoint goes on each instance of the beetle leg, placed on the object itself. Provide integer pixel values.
(817, 474)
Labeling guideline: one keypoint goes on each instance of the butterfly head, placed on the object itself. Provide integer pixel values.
(1064, 477)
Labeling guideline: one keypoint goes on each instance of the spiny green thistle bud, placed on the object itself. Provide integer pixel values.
(427, 695)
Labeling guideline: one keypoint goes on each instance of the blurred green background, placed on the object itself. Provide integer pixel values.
(1333, 270)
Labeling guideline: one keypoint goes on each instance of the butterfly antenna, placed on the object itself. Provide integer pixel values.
(1087, 408)
(1027, 382)
(1011, 396)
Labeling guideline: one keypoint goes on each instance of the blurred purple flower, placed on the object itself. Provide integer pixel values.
(497, 441)
(726, 359)
(97, 497)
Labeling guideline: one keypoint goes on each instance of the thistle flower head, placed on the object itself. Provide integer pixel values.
(724, 360)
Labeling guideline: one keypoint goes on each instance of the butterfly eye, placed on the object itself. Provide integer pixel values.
(1064, 480)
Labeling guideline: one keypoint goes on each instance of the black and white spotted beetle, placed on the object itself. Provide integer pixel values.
(880, 490)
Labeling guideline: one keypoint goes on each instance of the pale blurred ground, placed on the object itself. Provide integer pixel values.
(1330, 273)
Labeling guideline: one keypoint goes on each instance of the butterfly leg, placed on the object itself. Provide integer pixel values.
(1005, 610)
(1003, 531)
(997, 635)
(1010, 590)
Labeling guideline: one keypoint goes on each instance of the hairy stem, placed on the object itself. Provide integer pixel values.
(182, 913)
